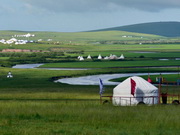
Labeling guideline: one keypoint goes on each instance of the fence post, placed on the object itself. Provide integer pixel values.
(100, 99)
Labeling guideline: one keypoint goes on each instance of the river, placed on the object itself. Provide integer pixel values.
(31, 66)
(94, 79)
(87, 80)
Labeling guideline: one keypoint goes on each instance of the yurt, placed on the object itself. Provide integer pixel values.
(135, 90)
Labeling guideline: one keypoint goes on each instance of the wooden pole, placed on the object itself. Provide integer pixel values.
(148, 71)
(100, 99)
(178, 72)
(160, 88)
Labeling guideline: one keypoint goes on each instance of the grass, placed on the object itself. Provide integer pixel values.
(107, 64)
(170, 78)
(87, 117)
(79, 36)
(85, 41)
(31, 103)
(95, 49)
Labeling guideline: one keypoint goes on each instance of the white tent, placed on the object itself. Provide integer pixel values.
(121, 57)
(89, 57)
(9, 75)
(81, 58)
(144, 92)
(106, 58)
(113, 57)
(99, 57)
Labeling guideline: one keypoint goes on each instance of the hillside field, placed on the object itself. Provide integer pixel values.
(167, 29)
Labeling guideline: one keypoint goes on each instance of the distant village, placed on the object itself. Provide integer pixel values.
(16, 41)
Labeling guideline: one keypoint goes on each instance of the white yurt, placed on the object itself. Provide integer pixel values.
(140, 91)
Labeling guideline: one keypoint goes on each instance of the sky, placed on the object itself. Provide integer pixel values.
(83, 15)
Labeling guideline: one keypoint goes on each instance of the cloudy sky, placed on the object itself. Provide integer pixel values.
(83, 15)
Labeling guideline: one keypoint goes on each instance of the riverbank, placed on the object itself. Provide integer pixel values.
(94, 79)
(33, 66)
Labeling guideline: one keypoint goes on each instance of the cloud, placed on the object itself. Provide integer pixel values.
(150, 5)
(102, 5)
(72, 5)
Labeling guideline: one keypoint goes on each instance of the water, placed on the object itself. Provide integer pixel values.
(86, 80)
(27, 66)
(31, 66)
(94, 79)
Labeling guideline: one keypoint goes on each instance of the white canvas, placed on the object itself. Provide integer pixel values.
(144, 92)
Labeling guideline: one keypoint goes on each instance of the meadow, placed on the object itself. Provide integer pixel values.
(86, 118)
(112, 64)
(31, 103)
(30, 107)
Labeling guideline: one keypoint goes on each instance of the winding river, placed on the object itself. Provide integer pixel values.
(94, 79)
(87, 80)
(30, 66)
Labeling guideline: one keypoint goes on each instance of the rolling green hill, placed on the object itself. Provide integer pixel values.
(80, 37)
(167, 29)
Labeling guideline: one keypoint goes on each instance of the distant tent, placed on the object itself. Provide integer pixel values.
(144, 92)
(81, 58)
(9, 75)
(113, 57)
(99, 57)
(106, 58)
(39, 40)
(121, 57)
(89, 57)
(13, 39)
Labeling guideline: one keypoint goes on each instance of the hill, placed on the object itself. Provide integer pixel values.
(79, 36)
(167, 29)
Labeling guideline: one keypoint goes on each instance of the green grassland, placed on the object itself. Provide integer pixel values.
(80, 36)
(112, 64)
(106, 42)
(31, 103)
(87, 117)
